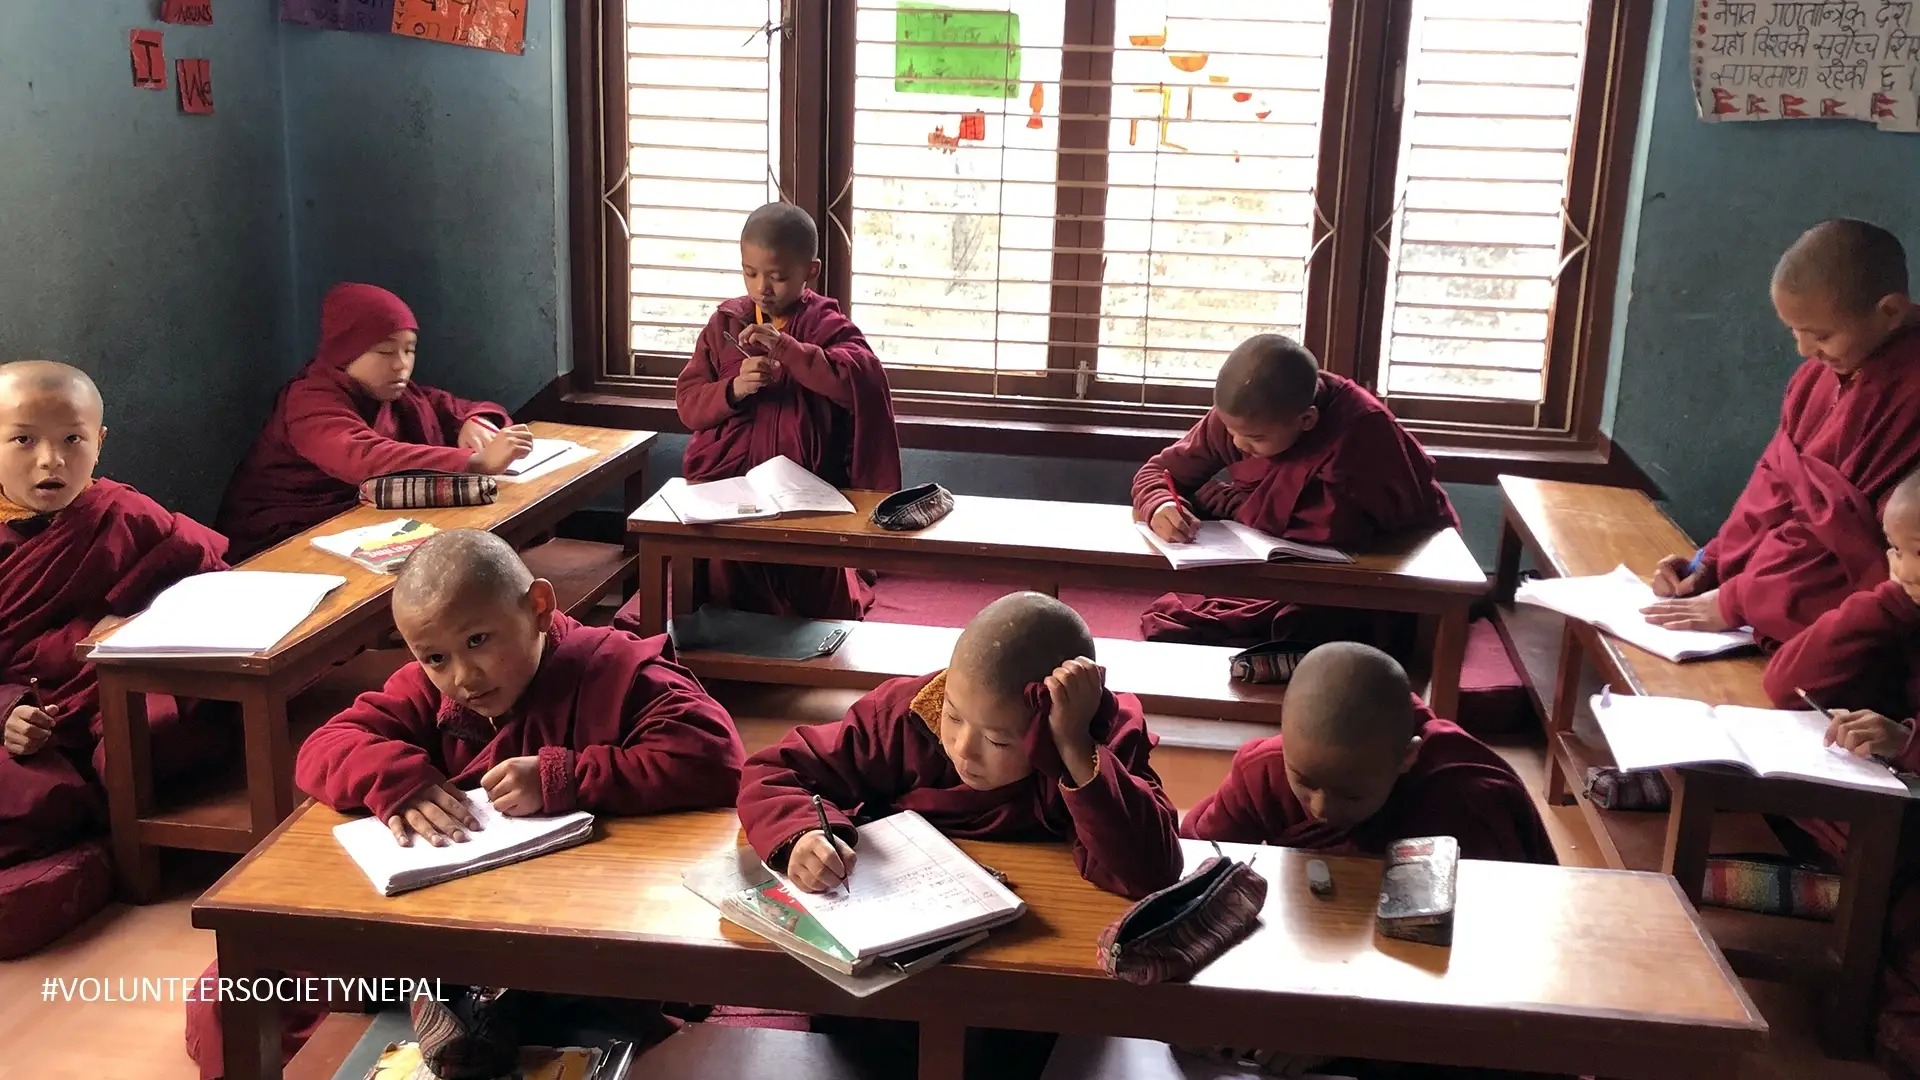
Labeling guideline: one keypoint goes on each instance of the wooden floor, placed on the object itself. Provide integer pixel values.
(57, 1040)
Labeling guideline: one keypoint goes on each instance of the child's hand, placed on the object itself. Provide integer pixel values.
(439, 814)
(1173, 524)
(819, 862)
(1867, 733)
(1075, 688)
(513, 786)
(474, 435)
(28, 729)
(502, 450)
(1688, 613)
(1670, 578)
(760, 336)
(755, 373)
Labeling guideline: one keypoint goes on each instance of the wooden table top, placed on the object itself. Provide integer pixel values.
(1528, 939)
(1578, 530)
(1065, 532)
(614, 449)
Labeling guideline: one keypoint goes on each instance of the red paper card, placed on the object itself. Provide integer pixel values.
(196, 85)
(149, 59)
(500, 25)
(189, 12)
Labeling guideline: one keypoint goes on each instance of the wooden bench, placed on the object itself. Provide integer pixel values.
(233, 817)
(1044, 545)
(1578, 530)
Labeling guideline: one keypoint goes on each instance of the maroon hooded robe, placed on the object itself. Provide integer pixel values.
(884, 757)
(108, 553)
(619, 728)
(1356, 478)
(327, 435)
(827, 409)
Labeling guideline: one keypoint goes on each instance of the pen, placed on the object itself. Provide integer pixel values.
(821, 809)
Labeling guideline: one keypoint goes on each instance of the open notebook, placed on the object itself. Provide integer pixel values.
(1657, 732)
(1229, 543)
(381, 548)
(911, 886)
(769, 489)
(1612, 602)
(500, 840)
(226, 613)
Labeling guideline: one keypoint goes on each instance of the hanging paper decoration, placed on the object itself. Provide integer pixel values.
(1036, 101)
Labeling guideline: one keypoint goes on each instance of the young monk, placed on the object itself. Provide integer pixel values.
(1804, 533)
(780, 371)
(1018, 739)
(74, 549)
(1361, 762)
(510, 696)
(1297, 453)
(354, 413)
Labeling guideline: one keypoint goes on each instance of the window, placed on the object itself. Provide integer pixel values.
(1077, 207)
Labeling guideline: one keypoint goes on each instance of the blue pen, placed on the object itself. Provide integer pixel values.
(1699, 561)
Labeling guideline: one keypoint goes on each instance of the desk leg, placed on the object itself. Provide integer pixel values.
(249, 1030)
(1449, 653)
(1846, 1015)
(1689, 832)
(653, 591)
(269, 750)
(632, 494)
(129, 754)
(943, 1050)
(1506, 573)
(1566, 698)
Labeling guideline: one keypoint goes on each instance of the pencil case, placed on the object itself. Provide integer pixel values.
(473, 1035)
(1610, 789)
(1417, 890)
(913, 508)
(425, 490)
(1771, 885)
(1172, 934)
(1268, 662)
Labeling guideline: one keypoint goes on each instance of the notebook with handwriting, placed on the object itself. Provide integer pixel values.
(500, 840)
(772, 488)
(1229, 543)
(1612, 602)
(1657, 732)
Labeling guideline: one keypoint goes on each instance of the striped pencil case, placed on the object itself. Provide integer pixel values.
(1771, 885)
(425, 490)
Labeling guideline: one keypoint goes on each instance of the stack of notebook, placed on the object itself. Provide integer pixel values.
(500, 840)
(228, 613)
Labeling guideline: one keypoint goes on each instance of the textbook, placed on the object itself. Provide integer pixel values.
(1657, 732)
(1612, 602)
(381, 548)
(500, 841)
(403, 1061)
(1229, 543)
(772, 488)
(225, 613)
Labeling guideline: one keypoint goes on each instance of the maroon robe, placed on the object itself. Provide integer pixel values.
(1457, 787)
(619, 728)
(827, 409)
(1355, 479)
(108, 553)
(1805, 533)
(327, 436)
(884, 758)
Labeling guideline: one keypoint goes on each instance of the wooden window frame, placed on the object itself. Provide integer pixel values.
(1473, 439)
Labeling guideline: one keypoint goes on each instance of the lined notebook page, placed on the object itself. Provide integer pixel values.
(1613, 601)
(1213, 545)
(1782, 743)
(229, 612)
(910, 884)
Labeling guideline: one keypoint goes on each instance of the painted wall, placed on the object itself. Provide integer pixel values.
(438, 172)
(146, 246)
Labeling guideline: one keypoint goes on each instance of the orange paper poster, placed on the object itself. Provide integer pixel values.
(500, 25)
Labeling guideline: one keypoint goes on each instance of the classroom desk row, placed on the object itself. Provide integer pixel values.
(233, 817)
(1042, 545)
(1555, 969)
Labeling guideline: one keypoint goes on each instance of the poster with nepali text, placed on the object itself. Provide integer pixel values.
(499, 25)
(1807, 60)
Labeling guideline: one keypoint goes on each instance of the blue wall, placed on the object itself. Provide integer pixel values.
(144, 245)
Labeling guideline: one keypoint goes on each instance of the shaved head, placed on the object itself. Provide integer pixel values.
(23, 377)
(1268, 377)
(1017, 640)
(461, 565)
(1345, 694)
(783, 229)
(1855, 262)
(1905, 498)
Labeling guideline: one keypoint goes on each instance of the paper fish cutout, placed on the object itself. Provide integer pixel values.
(1148, 41)
(1187, 62)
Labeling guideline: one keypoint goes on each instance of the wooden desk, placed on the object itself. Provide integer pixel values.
(1580, 529)
(351, 617)
(1557, 969)
(1043, 545)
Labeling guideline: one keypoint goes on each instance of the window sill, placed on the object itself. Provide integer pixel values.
(1459, 460)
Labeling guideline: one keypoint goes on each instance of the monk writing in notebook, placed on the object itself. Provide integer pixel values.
(1018, 739)
(1361, 762)
(354, 413)
(1805, 533)
(780, 371)
(1297, 453)
(74, 549)
(510, 696)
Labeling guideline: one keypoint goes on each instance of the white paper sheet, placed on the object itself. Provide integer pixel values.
(1229, 543)
(571, 453)
(1807, 59)
(1612, 602)
(501, 840)
(231, 612)
(769, 489)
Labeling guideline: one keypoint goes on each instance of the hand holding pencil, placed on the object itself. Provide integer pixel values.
(1174, 523)
(820, 861)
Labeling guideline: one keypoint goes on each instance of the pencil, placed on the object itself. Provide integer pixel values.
(1812, 704)
(821, 809)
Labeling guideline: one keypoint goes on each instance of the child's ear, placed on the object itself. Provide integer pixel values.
(1412, 755)
(1894, 306)
(1309, 418)
(813, 271)
(540, 595)
(102, 441)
